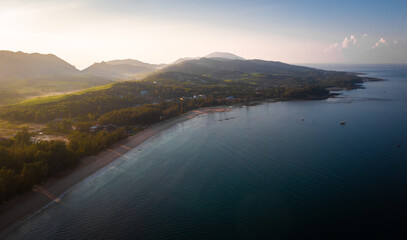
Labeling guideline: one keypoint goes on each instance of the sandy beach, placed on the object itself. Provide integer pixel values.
(14, 212)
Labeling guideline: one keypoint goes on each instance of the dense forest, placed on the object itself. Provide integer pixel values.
(169, 86)
(120, 109)
(24, 163)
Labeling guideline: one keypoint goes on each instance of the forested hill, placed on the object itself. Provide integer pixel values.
(224, 55)
(120, 68)
(118, 71)
(266, 73)
(27, 75)
(221, 68)
(135, 63)
(172, 86)
(96, 118)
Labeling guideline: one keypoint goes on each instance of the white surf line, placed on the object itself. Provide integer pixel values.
(117, 153)
(125, 147)
(44, 191)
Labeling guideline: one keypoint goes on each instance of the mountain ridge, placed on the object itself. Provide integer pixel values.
(17, 65)
(224, 55)
(118, 69)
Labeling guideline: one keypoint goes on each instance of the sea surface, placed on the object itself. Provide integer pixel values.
(283, 170)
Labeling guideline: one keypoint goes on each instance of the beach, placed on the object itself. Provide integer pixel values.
(283, 169)
(23, 206)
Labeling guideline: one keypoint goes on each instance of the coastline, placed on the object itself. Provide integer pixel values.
(21, 207)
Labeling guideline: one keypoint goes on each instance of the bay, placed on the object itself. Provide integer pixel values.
(282, 169)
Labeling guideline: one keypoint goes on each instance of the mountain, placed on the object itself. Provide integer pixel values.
(290, 82)
(28, 75)
(24, 75)
(264, 74)
(120, 68)
(219, 55)
(180, 60)
(177, 78)
(19, 65)
(135, 63)
(224, 55)
(221, 69)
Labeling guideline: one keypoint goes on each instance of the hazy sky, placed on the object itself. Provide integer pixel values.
(86, 31)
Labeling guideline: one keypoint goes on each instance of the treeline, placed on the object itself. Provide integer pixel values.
(166, 86)
(131, 105)
(58, 126)
(304, 92)
(24, 163)
(90, 105)
(152, 113)
(84, 144)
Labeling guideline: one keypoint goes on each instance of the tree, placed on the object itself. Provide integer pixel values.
(8, 183)
(22, 138)
(33, 173)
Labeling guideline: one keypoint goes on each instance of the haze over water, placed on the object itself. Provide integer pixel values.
(255, 172)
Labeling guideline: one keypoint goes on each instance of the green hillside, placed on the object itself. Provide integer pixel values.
(24, 76)
(290, 82)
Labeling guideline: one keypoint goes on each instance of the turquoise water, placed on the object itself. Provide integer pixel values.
(263, 173)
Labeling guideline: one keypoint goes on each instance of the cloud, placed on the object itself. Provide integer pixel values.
(345, 42)
(332, 47)
(382, 41)
(351, 40)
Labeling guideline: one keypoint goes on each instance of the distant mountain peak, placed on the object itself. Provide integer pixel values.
(224, 55)
(119, 68)
(180, 60)
(129, 61)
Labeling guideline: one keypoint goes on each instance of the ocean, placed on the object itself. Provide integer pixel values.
(281, 170)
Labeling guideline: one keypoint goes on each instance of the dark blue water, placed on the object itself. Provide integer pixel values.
(262, 174)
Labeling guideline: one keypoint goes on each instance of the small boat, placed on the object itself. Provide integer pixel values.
(342, 123)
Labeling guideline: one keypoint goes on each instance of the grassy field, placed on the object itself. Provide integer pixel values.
(14, 91)
(46, 98)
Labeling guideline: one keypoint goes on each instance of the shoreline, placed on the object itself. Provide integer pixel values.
(18, 209)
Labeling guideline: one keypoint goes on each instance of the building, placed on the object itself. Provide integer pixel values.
(94, 129)
(107, 127)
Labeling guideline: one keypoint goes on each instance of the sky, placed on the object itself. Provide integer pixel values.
(86, 31)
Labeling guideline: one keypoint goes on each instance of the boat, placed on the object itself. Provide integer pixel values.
(343, 123)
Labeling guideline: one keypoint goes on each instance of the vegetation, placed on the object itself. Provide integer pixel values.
(17, 90)
(24, 163)
(24, 76)
(115, 110)
(161, 87)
